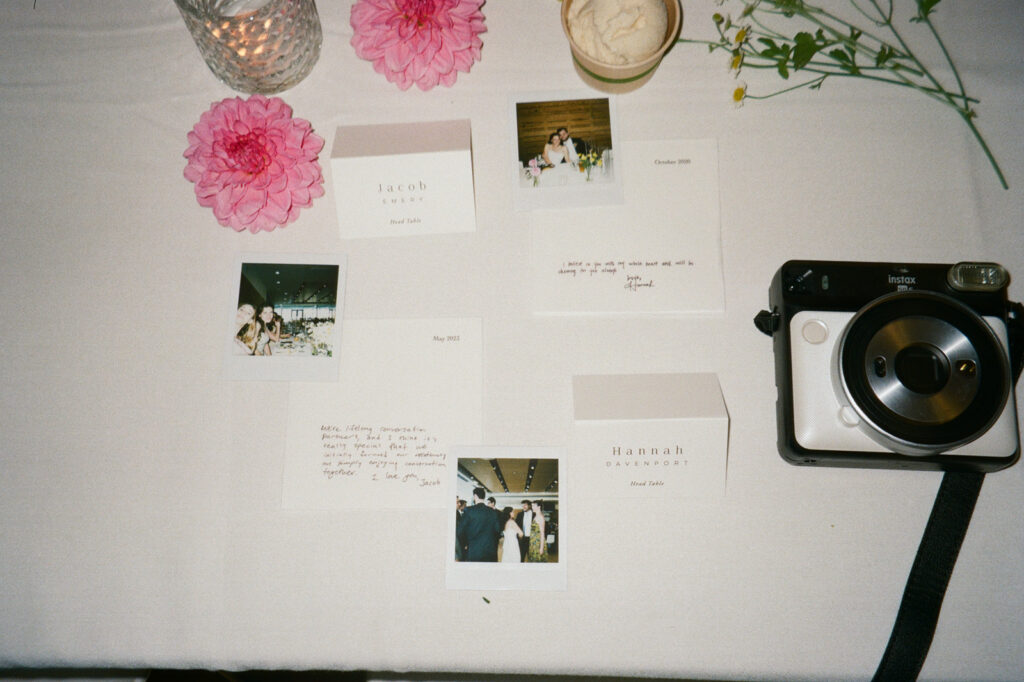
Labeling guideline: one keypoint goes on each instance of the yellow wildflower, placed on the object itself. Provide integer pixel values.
(739, 94)
(736, 62)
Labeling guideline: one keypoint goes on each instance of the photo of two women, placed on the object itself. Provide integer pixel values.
(286, 309)
(507, 511)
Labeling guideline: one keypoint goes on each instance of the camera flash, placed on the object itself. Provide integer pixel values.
(977, 277)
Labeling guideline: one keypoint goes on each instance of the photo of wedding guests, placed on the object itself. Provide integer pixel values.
(286, 309)
(506, 511)
(564, 143)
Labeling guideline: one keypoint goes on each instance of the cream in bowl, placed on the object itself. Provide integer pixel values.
(618, 31)
(617, 44)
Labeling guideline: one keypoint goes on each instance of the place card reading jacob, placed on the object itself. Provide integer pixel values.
(379, 438)
(650, 435)
(403, 179)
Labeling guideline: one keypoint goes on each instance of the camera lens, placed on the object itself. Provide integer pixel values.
(916, 384)
(922, 368)
(923, 371)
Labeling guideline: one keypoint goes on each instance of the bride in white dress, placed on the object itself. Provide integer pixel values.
(512, 533)
(554, 151)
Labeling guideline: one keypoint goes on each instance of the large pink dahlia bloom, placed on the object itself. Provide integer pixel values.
(425, 42)
(254, 164)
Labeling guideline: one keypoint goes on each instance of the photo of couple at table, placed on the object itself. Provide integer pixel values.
(562, 148)
(500, 520)
(564, 143)
(286, 309)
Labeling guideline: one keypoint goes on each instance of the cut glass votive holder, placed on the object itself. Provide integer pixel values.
(263, 46)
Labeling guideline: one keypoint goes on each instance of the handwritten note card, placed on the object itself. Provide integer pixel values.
(408, 391)
(638, 274)
(408, 455)
(660, 252)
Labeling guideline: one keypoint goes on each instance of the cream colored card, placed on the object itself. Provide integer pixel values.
(658, 253)
(379, 438)
(649, 435)
(403, 179)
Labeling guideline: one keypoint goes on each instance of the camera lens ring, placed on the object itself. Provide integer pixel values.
(919, 379)
(963, 345)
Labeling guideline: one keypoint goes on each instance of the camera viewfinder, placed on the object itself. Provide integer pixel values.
(977, 277)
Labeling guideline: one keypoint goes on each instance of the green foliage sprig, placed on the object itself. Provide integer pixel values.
(830, 46)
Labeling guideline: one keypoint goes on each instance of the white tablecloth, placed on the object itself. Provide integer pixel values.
(140, 516)
(563, 175)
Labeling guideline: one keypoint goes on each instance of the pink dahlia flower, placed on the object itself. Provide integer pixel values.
(254, 164)
(425, 42)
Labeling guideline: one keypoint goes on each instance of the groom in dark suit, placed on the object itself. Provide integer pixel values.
(479, 529)
(577, 147)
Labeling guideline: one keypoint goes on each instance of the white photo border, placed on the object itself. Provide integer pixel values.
(568, 196)
(282, 367)
(461, 575)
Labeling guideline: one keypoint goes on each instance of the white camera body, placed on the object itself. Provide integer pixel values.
(890, 365)
(824, 417)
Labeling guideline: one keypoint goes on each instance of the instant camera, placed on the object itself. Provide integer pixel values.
(894, 365)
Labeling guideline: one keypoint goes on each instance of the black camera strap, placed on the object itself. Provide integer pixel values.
(940, 545)
(937, 553)
(926, 585)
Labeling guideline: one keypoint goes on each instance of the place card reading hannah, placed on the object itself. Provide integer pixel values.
(403, 179)
(649, 435)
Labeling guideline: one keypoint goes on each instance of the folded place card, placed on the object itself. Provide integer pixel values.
(403, 179)
(649, 435)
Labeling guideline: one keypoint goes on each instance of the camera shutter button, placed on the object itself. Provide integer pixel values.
(814, 331)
